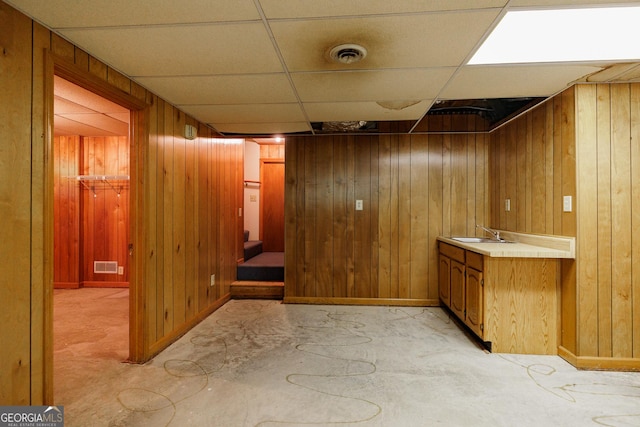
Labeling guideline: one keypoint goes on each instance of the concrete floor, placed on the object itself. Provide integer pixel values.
(264, 363)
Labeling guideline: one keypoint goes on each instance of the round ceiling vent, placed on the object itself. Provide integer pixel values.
(348, 53)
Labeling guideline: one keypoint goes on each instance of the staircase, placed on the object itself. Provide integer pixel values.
(261, 275)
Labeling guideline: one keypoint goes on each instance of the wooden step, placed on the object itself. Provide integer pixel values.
(259, 290)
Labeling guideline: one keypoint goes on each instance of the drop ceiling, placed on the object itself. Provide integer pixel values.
(261, 67)
(78, 111)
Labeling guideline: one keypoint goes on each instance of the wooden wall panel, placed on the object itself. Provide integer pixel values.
(602, 157)
(27, 195)
(66, 241)
(587, 274)
(608, 123)
(104, 210)
(408, 200)
(532, 163)
(15, 206)
(418, 241)
(581, 145)
(272, 151)
(634, 108)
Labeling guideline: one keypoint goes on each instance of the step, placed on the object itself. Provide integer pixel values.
(244, 289)
(265, 267)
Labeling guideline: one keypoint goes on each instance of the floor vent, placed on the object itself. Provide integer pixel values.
(105, 267)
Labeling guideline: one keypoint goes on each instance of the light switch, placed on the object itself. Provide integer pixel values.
(358, 205)
(567, 204)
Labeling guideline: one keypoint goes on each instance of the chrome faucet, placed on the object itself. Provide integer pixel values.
(494, 233)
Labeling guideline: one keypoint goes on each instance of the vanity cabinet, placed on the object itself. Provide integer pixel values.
(510, 303)
(474, 293)
(464, 291)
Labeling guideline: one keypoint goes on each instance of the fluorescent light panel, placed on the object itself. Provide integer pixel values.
(563, 35)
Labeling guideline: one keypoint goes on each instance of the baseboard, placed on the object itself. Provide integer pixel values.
(88, 284)
(600, 363)
(258, 290)
(173, 336)
(66, 285)
(363, 301)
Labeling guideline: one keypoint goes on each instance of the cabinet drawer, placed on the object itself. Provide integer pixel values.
(452, 252)
(474, 260)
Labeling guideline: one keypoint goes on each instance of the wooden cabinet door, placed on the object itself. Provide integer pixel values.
(444, 280)
(474, 301)
(457, 288)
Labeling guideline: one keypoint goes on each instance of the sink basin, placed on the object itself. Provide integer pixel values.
(480, 240)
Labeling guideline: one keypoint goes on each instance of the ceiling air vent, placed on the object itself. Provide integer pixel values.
(348, 53)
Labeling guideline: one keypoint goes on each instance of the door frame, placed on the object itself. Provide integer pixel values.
(138, 141)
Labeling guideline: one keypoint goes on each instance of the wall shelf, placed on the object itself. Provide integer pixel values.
(112, 181)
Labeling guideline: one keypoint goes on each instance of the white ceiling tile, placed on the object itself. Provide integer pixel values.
(227, 89)
(430, 40)
(514, 81)
(354, 111)
(254, 113)
(262, 128)
(383, 85)
(334, 8)
(100, 13)
(173, 50)
(217, 61)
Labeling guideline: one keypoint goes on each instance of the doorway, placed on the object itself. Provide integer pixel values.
(263, 260)
(91, 226)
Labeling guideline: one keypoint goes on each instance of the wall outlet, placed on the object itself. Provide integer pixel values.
(120, 270)
(507, 205)
(213, 280)
(567, 204)
(359, 205)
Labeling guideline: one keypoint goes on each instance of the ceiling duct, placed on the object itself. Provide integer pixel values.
(353, 126)
(493, 110)
(347, 53)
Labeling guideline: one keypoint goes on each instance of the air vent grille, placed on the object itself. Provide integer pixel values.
(348, 53)
(105, 267)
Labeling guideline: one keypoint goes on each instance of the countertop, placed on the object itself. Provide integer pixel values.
(525, 246)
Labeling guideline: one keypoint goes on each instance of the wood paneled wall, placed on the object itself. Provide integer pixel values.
(91, 222)
(608, 206)
(583, 144)
(413, 188)
(105, 209)
(532, 163)
(193, 196)
(272, 151)
(66, 212)
(19, 270)
(188, 194)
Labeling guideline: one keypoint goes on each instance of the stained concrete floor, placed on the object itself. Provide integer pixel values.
(264, 363)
